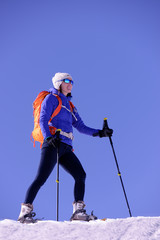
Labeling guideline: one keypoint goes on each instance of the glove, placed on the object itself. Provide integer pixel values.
(106, 132)
(52, 141)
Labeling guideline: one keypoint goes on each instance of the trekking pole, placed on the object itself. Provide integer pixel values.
(57, 180)
(105, 125)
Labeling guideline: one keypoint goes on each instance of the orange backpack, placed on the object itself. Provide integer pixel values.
(37, 133)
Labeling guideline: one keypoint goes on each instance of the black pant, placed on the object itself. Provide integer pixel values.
(67, 160)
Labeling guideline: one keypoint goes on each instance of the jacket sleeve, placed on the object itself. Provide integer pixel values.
(49, 104)
(80, 126)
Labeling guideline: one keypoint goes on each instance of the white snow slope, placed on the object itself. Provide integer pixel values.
(135, 228)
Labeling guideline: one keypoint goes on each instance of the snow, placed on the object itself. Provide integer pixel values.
(135, 228)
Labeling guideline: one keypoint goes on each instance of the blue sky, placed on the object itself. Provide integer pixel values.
(112, 50)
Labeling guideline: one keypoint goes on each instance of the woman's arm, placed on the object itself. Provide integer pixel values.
(81, 127)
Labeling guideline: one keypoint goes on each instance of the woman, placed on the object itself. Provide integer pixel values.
(65, 120)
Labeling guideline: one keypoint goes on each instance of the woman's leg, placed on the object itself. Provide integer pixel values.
(72, 165)
(47, 163)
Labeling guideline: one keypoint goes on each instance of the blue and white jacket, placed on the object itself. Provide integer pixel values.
(65, 120)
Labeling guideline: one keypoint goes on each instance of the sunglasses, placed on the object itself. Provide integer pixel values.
(68, 81)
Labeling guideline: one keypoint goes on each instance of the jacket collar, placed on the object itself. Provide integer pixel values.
(55, 91)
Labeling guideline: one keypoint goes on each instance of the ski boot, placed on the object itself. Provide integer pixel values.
(79, 213)
(26, 214)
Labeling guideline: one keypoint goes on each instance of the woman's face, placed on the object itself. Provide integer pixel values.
(66, 88)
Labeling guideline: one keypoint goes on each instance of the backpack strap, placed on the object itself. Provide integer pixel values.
(71, 106)
(58, 109)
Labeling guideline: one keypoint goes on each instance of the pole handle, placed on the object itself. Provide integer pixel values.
(58, 131)
(105, 123)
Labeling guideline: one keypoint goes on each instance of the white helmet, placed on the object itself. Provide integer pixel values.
(58, 79)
